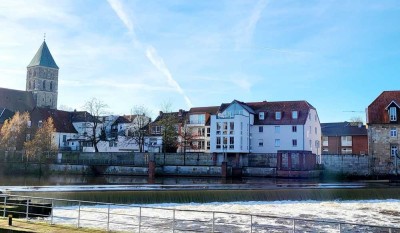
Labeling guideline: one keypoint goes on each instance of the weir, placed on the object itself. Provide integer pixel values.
(206, 196)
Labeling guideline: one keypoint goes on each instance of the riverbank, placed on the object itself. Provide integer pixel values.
(23, 226)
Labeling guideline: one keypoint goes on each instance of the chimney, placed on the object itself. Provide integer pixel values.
(161, 113)
(359, 124)
(180, 113)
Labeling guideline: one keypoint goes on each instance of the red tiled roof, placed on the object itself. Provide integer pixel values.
(285, 107)
(376, 110)
(61, 119)
(210, 109)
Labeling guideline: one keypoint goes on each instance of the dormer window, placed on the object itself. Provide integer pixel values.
(393, 114)
(294, 114)
(278, 115)
(261, 115)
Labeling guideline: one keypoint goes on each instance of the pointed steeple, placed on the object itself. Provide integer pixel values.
(43, 58)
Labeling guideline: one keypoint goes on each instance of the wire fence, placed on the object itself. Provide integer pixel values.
(135, 218)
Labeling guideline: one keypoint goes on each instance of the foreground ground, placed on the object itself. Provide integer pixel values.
(21, 225)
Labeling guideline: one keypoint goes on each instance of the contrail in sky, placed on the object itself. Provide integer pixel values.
(151, 53)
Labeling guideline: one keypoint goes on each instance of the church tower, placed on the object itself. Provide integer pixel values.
(42, 78)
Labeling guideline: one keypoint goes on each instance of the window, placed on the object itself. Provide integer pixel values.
(208, 132)
(309, 116)
(316, 131)
(324, 141)
(29, 124)
(310, 144)
(261, 115)
(277, 129)
(231, 127)
(393, 150)
(393, 114)
(294, 114)
(346, 141)
(208, 145)
(310, 129)
(40, 123)
(64, 138)
(347, 151)
(294, 128)
(278, 115)
(225, 127)
(44, 85)
(393, 132)
(197, 119)
(218, 142)
(219, 126)
(231, 143)
(260, 142)
(51, 86)
(260, 129)
(156, 129)
(294, 142)
(277, 142)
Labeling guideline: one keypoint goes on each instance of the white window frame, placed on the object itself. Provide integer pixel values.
(394, 149)
(393, 132)
(294, 128)
(393, 114)
(295, 115)
(277, 142)
(261, 115)
(278, 115)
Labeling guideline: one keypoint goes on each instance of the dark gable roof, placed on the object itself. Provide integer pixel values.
(82, 116)
(210, 110)
(343, 129)
(16, 101)
(178, 116)
(376, 110)
(43, 58)
(269, 109)
(285, 107)
(243, 104)
(62, 119)
(5, 114)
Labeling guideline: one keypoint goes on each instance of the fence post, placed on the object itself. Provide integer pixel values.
(173, 221)
(5, 204)
(27, 209)
(294, 225)
(340, 227)
(79, 214)
(52, 211)
(140, 218)
(213, 222)
(108, 218)
(251, 223)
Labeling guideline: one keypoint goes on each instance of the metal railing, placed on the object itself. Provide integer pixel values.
(137, 218)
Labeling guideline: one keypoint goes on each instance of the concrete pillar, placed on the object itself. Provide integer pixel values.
(289, 159)
(301, 161)
(152, 170)
(279, 161)
(224, 166)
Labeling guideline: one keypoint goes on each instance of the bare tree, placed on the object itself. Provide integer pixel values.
(169, 124)
(356, 120)
(14, 132)
(96, 108)
(138, 130)
(187, 137)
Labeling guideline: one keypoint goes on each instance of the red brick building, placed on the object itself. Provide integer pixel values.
(344, 138)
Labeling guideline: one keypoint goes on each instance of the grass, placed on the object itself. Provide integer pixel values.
(21, 225)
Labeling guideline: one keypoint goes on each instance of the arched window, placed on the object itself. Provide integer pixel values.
(44, 85)
(51, 86)
(34, 84)
(29, 85)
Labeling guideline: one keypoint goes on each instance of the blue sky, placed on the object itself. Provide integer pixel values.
(337, 55)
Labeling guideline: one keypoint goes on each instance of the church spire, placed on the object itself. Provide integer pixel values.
(43, 57)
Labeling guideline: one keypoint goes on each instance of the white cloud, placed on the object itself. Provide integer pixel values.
(150, 51)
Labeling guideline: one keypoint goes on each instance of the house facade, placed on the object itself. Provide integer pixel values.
(344, 138)
(265, 127)
(383, 128)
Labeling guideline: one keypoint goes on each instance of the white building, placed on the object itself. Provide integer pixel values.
(265, 127)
